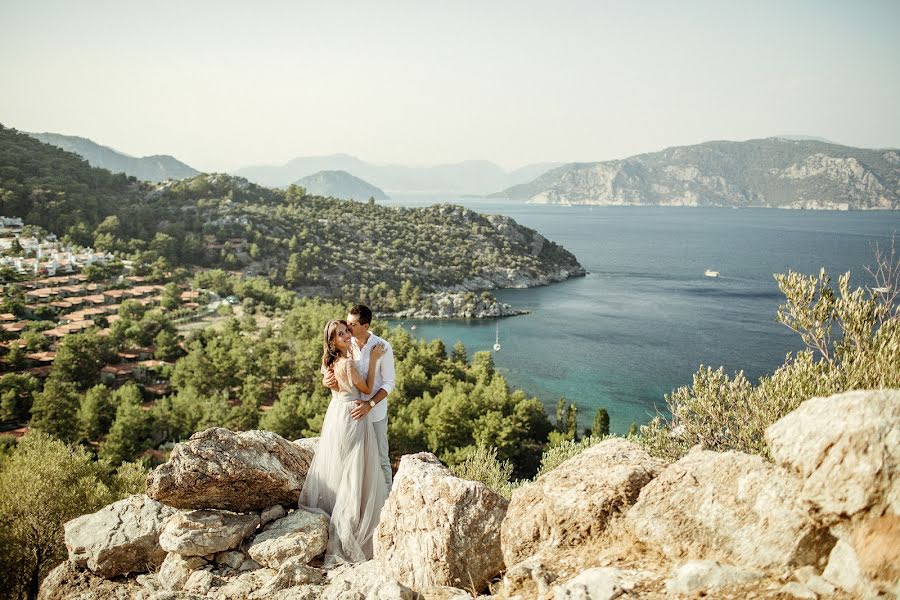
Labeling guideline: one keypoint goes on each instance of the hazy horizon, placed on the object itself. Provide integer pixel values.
(223, 85)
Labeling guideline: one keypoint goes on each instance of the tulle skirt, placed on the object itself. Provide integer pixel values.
(345, 481)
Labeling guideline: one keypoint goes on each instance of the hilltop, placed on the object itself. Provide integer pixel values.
(155, 168)
(321, 246)
(772, 173)
(340, 184)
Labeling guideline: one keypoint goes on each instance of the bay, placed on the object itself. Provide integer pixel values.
(646, 317)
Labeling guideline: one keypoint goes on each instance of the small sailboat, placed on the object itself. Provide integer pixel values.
(413, 327)
(497, 339)
(711, 273)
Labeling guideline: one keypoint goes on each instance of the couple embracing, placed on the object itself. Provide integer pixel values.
(350, 475)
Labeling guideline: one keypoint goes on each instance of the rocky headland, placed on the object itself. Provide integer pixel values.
(458, 305)
(767, 173)
(219, 521)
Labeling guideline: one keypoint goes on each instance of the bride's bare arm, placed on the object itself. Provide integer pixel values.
(365, 385)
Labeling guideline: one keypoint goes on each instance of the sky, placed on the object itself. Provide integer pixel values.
(223, 84)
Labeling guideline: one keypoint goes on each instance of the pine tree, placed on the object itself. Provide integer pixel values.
(601, 423)
(55, 410)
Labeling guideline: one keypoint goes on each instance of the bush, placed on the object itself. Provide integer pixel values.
(482, 465)
(852, 340)
(43, 484)
(557, 454)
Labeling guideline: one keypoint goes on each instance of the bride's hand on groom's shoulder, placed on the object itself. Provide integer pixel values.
(378, 350)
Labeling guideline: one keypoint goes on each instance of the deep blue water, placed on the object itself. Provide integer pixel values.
(646, 317)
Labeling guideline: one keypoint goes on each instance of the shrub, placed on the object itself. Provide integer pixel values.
(557, 454)
(43, 484)
(482, 465)
(852, 340)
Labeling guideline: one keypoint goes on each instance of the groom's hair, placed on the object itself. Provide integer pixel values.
(363, 312)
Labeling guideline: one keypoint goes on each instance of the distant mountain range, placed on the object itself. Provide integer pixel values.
(468, 177)
(771, 172)
(340, 184)
(148, 168)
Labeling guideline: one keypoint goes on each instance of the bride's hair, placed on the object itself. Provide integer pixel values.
(330, 353)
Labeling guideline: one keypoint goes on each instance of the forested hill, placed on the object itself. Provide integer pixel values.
(330, 247)
(772, 172)
(146, 168)
(340, 184)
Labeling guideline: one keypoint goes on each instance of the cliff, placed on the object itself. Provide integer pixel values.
(772, 173)
(218, 522)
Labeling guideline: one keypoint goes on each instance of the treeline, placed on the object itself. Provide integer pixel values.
(336, 248)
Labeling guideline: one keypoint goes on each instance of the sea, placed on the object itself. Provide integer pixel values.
(646, 317)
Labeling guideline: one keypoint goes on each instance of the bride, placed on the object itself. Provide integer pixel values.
(345, 479)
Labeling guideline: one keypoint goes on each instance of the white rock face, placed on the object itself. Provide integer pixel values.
(242, 472)
(698, 575)
(573, 503)
(301, 534)
(120, 538)
(853, 438)
(439, 530)
(730, 507)
(366, 581)
(205, 532)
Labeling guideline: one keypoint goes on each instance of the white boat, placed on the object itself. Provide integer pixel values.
(497, 340)
(413, 327)
(711, 273)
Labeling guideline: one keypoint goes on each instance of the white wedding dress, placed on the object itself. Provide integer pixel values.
(345, 480)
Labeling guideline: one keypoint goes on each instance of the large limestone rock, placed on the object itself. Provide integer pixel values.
(731, 507)
(366, 581)
(205, 532)
(242, 472)
(292, 573)
(439, 530)
(122, 537)
(301, 534)
(574, 502)
(846, 451)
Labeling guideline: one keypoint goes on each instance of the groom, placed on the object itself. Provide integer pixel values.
(358, 320)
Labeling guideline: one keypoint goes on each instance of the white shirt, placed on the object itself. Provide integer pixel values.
(384, 373)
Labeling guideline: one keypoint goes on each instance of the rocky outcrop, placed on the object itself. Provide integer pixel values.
(120, 538)
(609, 522)
(459, 305)
(439, 530)
(241, 472)
(573, 502)
(728, 506)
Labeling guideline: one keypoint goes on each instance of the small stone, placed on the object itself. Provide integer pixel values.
(232, 558)
(273, 513)
(199, 582)
(697, 575)
(798, 590)
(599, 583)
(176, 569)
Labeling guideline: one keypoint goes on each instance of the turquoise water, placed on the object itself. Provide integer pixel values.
(646, 317)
